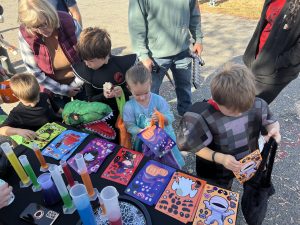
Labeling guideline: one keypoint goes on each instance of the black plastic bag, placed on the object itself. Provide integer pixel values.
(259, 188)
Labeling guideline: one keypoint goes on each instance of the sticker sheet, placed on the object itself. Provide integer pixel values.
(44, 135)
(156, 138)
(122, 167)
(181, 197)
(250, 164)
(217, 207)
(94, 153)
(150, 182)
(64, 145)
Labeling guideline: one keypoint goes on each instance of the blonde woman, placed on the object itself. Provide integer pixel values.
(47, 42)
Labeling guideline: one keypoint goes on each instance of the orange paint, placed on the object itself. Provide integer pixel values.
(41, 159)
(88, 183)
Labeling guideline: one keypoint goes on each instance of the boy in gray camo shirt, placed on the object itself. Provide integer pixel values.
(227, 127)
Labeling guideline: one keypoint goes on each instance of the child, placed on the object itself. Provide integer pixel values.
(140, 109)
(34, 110)
(227, 128)
(100, 67)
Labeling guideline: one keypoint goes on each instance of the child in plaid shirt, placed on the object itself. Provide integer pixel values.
(227, 127)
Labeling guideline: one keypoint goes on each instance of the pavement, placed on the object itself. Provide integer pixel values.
(225, 40)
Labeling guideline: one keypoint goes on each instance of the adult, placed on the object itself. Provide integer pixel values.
(160, 35)
(273, 53)
(69, 6)
(5, 62)
(47, 43)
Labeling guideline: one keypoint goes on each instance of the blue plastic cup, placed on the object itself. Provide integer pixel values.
(82, 202)
(50, 192)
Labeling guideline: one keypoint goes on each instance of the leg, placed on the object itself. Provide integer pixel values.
(157, 77)
(181, 69)
(269, 92)
(7, 64)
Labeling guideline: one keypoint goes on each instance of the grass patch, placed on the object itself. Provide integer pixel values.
(250, 9)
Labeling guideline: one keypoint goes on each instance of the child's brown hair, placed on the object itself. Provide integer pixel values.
(25, 87)
(138, 74)
(94, 43)
(234, 88)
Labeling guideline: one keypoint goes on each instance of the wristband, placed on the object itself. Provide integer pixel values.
(213, 157)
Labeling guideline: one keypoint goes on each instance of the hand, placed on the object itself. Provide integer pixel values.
(155, 118)
(73, 91)
(28, 134)
(5, 191)
(198, 48)
(229, 162)
(3, 72)
(117, 91)
(148, 63)
(109, 94)
(273, 133)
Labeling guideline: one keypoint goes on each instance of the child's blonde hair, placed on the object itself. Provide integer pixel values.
(138, 74)
(32, 13)
(25, 87)
(234, 88)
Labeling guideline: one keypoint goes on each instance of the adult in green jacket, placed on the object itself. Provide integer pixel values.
(160, 34)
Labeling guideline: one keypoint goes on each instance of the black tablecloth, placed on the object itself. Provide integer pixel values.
(24, 196)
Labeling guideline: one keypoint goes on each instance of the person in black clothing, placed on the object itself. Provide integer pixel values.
(100, 67)
(273, 53)
(34, 110)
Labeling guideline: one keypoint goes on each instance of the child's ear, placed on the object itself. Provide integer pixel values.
(128, 87)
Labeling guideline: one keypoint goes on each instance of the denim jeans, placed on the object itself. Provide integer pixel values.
(180, 65)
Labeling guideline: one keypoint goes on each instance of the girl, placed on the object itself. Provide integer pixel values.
(146, 106)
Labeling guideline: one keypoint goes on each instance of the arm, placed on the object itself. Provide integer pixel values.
(32, 67)
(270, 123)
(74, 10)
(195, 26)
(163, 108)
(2, 71)
(9, 131)
(93, 94)
(78, 28)
(290, 57)
(228, 161)
(138, 27)
(129, 120)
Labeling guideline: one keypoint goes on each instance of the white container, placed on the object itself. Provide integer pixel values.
(109, 196)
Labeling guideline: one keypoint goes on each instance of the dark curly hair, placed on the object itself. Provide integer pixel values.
(293, 11)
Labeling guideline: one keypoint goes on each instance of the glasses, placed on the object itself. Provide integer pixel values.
(42, 26)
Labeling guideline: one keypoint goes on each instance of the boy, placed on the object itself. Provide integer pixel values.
(100, 67)
(34, 110)
(227, 127)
